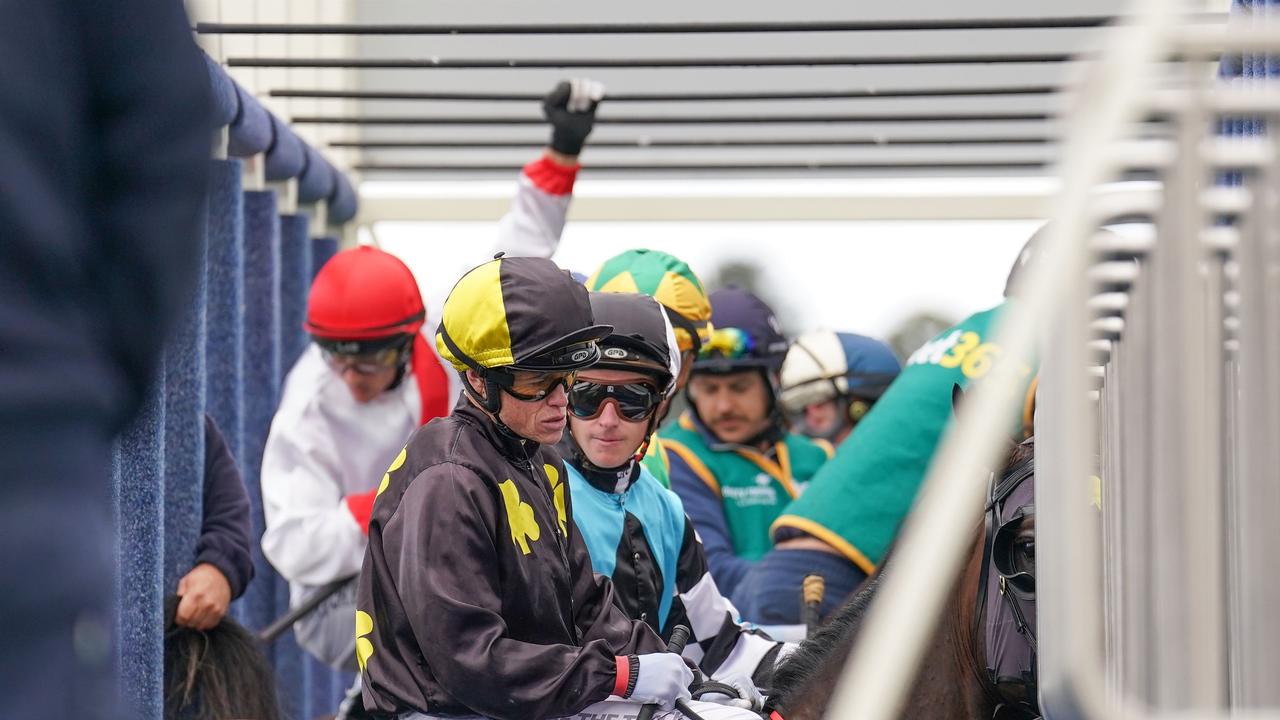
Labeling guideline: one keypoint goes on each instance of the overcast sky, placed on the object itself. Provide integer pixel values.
(860, 276)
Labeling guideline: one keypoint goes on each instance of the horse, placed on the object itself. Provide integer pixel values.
(957, 680)
(215, 674)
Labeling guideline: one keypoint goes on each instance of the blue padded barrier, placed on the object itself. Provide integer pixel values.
(251, 132)
(140, 538)
(295, 281)
(224, 338)
(322, 248)
(184, 367)
(287, 155)
(268, 594)
(342, 203)
(226, 102)
(1245, 70)
(260, 372)
(316, 181)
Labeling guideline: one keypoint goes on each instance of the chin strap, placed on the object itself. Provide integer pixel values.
(490, 404)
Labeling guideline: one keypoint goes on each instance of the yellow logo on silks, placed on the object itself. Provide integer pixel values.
(557, 497)
(395, 465)
(364, 648)
(520, 516)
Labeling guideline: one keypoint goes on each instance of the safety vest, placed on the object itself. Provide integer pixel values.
(858, 501)
(753, 488)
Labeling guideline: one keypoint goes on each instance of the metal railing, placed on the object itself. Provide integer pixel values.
(1160, 374)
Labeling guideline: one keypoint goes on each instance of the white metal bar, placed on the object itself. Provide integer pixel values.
(932, 545)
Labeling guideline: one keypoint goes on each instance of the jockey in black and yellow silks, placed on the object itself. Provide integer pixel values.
(477, 595)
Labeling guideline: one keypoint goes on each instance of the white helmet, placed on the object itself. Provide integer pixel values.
(825, 365)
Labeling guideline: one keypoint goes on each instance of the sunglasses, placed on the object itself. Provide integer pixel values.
(634, 401)
(366, 364)
(730, 343)
(532, 387)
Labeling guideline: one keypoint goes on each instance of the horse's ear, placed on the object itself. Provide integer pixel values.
(957, 399)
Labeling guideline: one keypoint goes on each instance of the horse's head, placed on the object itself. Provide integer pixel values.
(1006, 593)
(981, 662)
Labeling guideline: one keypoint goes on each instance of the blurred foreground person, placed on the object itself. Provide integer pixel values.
(104, 151)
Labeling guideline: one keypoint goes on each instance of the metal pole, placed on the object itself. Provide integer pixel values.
(679, 119)
(930, 550)
(720, 167)
(851, 94)
(435, 63)
(659, 143)
(1004, 23)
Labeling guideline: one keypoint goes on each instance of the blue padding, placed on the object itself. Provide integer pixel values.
(226, 102)
(267, 596)
(342, 203)
(251, 132)
(322, 248)
(317, 178)
(295, 281)
(184, 368)
(287, 155)
(140, 520)
(224, 314)
(261, 372)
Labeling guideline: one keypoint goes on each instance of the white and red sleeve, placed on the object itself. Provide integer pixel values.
(533, 226)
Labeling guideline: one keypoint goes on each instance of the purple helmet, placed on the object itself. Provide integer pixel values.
(746, 335)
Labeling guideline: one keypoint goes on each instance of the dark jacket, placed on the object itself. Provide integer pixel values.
(105, 129)
(477, 594)
(226, 529)
(104, 158)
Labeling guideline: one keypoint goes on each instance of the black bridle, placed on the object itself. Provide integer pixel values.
(1011, 666)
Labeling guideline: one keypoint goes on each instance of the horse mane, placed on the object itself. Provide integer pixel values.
(215, 674)
(804, 667)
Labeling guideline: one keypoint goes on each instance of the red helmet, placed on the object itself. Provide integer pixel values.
(364, 294)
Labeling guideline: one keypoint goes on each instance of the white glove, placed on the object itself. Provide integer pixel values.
(747, 697)
(663, 678)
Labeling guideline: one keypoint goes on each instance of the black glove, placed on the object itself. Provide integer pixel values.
(571, 110)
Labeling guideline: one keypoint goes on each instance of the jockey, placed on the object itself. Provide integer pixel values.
(636, 530)
(369, 380)
(831, 379)
(368, 375)
(850, 512)
(671, 282)
(733, 463)
(477, 596)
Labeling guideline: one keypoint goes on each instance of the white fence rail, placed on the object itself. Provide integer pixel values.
(1160, 374)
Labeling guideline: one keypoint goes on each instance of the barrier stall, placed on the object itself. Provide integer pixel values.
(227, 359)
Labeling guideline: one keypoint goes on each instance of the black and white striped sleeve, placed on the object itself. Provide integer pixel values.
(719, 641)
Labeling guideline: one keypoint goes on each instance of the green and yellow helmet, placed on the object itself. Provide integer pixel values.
(666, 279)
(518, 313)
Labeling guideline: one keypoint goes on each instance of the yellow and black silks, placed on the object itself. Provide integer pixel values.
(520, 314)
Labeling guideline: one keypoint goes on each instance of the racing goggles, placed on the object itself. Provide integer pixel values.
(534, 386)
(728, 343)
(634, 401)
(364, 363)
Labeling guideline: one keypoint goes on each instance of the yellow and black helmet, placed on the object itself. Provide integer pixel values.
(518, 313)
(666, 279)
